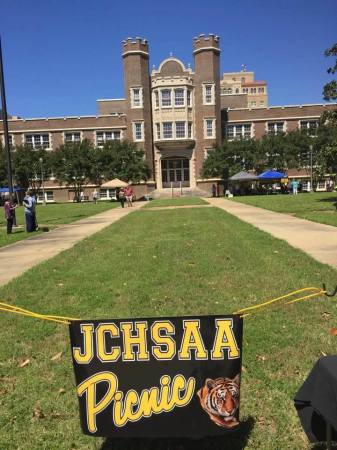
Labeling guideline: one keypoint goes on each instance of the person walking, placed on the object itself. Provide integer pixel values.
(129, 195)
(9, 208)
(121, 197)
(29, 212)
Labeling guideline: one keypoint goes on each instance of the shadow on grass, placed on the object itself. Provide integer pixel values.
(234, 441)
(322, 446)
(327, 200)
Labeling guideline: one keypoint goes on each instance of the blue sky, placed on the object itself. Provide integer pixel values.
(60, 56)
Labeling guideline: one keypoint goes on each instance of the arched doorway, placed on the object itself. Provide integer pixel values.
(175, 171)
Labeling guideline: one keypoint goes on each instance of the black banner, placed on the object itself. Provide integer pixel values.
(158, 377)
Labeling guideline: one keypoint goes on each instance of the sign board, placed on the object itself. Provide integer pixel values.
(158, 377)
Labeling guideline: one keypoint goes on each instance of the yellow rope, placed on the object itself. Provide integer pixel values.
(317, 292)
(242, 312)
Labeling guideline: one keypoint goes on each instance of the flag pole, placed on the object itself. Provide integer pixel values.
(5, 126)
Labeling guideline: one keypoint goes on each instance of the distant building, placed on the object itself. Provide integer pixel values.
(239, 89)
(176, 114)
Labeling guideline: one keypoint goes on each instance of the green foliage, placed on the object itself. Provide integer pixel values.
(3, 167)
(276, 151)
(73, 164)
(330, 89)
(120, 159)
(232, 157)
(26, 166)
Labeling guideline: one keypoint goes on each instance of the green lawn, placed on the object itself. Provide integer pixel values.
(51, 215)
(174, 262)
(182, 201)
(318, 206)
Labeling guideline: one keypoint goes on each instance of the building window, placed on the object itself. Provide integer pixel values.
(37, 141)
(189, 98)
(209, 128)
(238, 131)
(136, 98)
(253, 90)
(167, 130)
(158, 130)
(261, 103)
(275, 127)
(179, 97)
(156, 98)
(138, 131)
(261, 90)
(166, 97)
(104, 136)
(72, 137)
(180, 130)
(208, 94)
(309, 126)
(252, 103)
(237, 91)
(49, 196)
(245, 90)
(189, 130)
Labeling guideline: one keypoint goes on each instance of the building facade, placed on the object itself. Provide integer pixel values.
(176, 114)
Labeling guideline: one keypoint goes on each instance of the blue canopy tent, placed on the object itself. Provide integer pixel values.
(6, 189)
(272, 175)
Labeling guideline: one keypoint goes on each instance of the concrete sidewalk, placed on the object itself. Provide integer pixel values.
(23, 255)
(315, 239)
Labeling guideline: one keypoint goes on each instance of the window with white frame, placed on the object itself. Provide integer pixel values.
(253, 90)
(189, 130)
(167, 130)
(261, 90)
(138, 131)
(49, 196)
(179, 97)
(105, 136)
(252, 103)
(37, 141)
(208, 94)
(189, 97)
(156, 98)
(245, 90)
(166, 97)
(209, 131)
(158, 130)
(310, 126)
(261, 103)
(136, 97)
(237, 131)
(275, 127)
(72, 137)
(180, 130)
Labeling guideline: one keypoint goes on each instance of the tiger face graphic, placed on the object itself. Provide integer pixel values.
(220, 399)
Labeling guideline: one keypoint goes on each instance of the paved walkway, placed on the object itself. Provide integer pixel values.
(315, 239)
(23, 255)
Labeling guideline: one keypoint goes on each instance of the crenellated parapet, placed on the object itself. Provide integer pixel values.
(136, 45)
(203, 42)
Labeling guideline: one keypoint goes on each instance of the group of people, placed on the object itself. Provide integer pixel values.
(125, 194)
(29, 203)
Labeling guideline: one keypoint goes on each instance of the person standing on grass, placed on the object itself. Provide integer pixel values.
(128, 194)
(121, 197)
(294, 185)
(29, 212)
(9, 208)
(214, 190)
(95, 196)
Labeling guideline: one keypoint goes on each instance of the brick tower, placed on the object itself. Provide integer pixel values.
(135, 53)
(206, 51)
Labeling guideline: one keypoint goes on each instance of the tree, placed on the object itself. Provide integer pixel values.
(330, 89)
(120, 159)
(3, 167)
(73, 164)
(232, 157)
(26, 167)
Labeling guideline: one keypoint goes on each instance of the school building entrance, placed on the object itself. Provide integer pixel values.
(175, 172)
